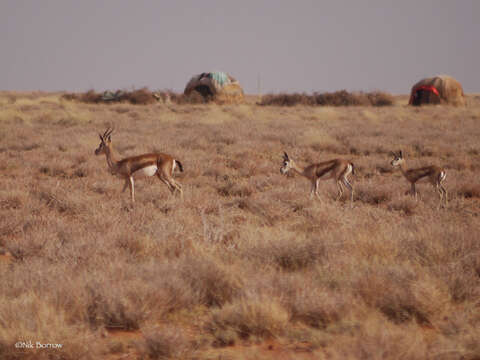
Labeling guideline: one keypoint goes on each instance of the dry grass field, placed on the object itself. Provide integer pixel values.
(245, 265)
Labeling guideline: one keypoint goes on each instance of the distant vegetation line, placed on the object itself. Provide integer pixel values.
(337, 98)
(144, 96)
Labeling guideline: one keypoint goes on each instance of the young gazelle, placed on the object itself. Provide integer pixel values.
(433, 173)
(151, 164)
(336, 169)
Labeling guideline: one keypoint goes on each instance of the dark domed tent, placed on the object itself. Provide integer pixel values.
(441, 89)
(217, 86)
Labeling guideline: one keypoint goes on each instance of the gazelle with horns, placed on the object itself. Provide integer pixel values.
(159, 164)
(336, 169)
(432, 173)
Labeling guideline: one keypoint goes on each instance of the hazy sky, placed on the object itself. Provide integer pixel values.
(288, 45)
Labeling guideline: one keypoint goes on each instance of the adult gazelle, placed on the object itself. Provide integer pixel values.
(162, 165)
(434, 174)
(336, 169)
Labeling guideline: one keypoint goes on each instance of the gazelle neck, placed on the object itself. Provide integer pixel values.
(403, 168)
(299, 170)
(111, 158)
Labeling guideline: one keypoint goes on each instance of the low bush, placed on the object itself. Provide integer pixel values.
(138, 97)
(141, 96)
(337, 98)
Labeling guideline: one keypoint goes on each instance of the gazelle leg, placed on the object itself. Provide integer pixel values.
(340, 190)
(176, 186)
(445, 195)
(179, 186)
(316, 189)
(312, 189)
(170, 187)
(125, 185)
(162, 179)
(132, 188)
(350, 187)
(171, 183)
(439, 192)
(413, 191)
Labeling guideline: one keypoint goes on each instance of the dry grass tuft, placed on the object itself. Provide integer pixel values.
(231, 188)
(113, 310)
(393, 293)
(244, 318)
(166, 342)
(318, 309)
(288, 253)
(407, 206)
(373, 196)
(211, 282)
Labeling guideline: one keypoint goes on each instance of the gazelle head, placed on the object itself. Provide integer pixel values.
(287, 164)
(105, 141)
(397, 158)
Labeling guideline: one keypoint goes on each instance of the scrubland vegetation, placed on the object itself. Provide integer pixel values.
(144, 96)
(245, 265)
(337, 98)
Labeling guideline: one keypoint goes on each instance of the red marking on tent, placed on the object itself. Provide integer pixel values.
(423, 87)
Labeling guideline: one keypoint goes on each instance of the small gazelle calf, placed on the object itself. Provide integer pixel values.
(336, 169)
(159, 164)
(432, 173)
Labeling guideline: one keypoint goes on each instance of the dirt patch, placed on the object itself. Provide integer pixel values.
(267, 350)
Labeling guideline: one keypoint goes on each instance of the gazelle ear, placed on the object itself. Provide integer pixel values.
(391, 153)
(285, 155)
(109, 139)
(400, 153)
